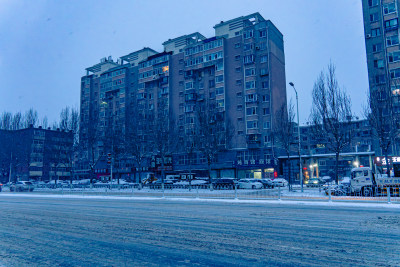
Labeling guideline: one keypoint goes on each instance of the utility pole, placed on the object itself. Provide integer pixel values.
(298, 132)
(9, 176)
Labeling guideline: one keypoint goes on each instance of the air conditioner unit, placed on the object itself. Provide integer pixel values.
(367, 36)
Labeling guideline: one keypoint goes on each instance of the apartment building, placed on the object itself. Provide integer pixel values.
(383, 54)
(241, 69)
(35, 153)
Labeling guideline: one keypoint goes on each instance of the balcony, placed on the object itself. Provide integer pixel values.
(253, 140)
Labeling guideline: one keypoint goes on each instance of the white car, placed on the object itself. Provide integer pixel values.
(280, 182)
(249, 184)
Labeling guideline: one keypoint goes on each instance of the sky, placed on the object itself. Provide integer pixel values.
(45, 46)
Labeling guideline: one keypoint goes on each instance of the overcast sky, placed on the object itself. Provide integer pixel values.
(45, 46)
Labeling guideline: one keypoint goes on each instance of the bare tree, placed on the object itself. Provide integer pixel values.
(380, 114)
(31, 118)
(283, 131)
(16, 121)
(45, 122)
(6, 121)
(214, 131)
(137, 140)
(164, 135)
(331, 114)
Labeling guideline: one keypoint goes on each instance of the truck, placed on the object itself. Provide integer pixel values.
(364, 182)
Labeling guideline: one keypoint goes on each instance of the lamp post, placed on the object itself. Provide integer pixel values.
(298, 132)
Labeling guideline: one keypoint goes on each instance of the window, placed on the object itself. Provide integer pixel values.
(263, 33)
(378, 63)
(248, 59)
(251, 111)
(238, 82)
(239, 119)
(240, 132)
(250, 84)
(379, 79)
(181, 83)
(374, 17)
(248, 34)
(392, 40)
(265, 111)
(395, 73)
(264, 59)
(391, 24)
(265, 98)
(392, 57)
(219, 90)
(252, 124)
(264, 85)
(389, 8)
(263, 45)
(238, 69)
(267, 125)
(212, 95)
(189, 85)
(239, 94)
(247, 47)
(376, 32)
(211, 83)
(377, 47)
(263, 71)
(237, 45)
(372, 3)
(219, 78)
(220, 103)
(267, 139)
(250, 72)
(201, 85)
(239, 107)
(237, 57)
(180, 72)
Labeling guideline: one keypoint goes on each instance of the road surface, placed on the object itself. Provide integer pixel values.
(106, 232)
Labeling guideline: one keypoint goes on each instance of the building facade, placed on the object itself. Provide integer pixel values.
(241, 69)
(383, 57)
(35, 153)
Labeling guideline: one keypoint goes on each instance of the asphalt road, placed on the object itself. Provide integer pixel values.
(101, 232)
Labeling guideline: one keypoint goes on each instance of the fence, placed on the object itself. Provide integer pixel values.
(321, 193)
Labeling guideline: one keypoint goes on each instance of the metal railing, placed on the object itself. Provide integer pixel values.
(321, 193)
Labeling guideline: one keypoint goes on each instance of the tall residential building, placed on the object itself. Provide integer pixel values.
(241, 69)
(381, 27)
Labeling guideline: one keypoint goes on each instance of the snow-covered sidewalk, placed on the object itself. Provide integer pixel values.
(244, 201)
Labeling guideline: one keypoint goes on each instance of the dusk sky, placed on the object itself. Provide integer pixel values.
(45, 46)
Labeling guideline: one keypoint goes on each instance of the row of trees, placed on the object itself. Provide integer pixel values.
(153, 134)
(332, 118)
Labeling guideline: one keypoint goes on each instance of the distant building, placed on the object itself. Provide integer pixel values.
(241, 69)
(318, 160)
(35, 153)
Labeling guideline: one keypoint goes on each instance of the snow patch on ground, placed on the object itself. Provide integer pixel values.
(281, 202)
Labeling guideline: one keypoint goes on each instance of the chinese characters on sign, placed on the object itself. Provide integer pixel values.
(381, 161)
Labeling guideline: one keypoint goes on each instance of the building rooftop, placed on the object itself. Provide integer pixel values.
(135, 55)
(256, 17)
(181, 40)
(103, 61)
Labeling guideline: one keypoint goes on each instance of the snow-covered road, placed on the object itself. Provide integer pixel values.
(40, 231)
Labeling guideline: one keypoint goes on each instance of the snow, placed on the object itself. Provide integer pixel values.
(258, 201)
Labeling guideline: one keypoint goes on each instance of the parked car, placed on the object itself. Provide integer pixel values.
(267, 183)
(280, 182)
(223, 183)
(249, 184)
(22, 186)
(314, 182)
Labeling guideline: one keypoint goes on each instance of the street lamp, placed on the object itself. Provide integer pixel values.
(298, 132)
